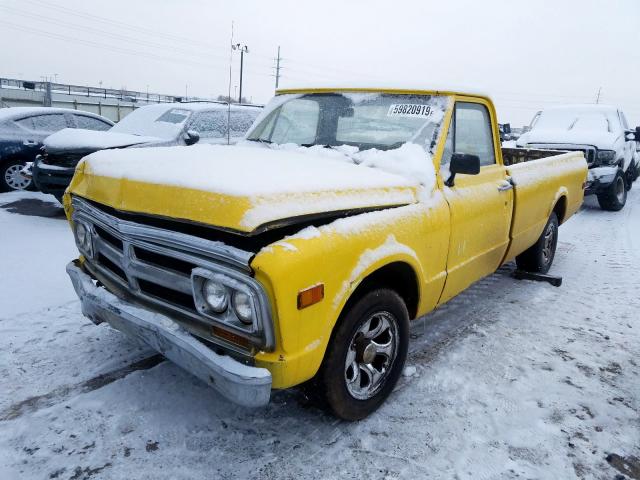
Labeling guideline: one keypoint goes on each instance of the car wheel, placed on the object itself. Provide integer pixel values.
(615, 197)
(11, 178)
(539, 257)
(366, 355)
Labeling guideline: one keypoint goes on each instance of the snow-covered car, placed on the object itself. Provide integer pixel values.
(602, 133)
(22, 131)
(168, 124)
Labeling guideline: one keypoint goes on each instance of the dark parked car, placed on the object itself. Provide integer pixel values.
(22, 131)
(148, 126)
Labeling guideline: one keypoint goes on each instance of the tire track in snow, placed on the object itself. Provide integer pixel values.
(66, 392)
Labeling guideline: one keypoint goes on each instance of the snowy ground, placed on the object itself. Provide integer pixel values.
(512, 379)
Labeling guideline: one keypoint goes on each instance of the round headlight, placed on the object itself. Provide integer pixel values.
(215, 294)
(242, 306)
(83, 236)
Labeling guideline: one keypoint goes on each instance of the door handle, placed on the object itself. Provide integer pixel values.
(505, 186)
(30, 143)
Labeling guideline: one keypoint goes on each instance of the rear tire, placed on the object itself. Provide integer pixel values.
(10, 178)
(366, 355)
(539, 257)
(615, 197)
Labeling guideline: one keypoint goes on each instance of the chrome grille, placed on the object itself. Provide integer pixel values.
(156, 264)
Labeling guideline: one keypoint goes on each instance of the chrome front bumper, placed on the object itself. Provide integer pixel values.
(242, 384)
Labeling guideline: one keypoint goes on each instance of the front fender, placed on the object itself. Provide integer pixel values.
(340, 256)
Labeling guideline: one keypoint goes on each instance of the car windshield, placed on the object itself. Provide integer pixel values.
(364, 120)
(562, 119)
(152, 121)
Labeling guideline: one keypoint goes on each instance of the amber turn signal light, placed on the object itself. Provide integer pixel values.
(311, 295)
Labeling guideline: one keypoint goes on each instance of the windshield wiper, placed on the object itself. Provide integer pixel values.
(261, 140)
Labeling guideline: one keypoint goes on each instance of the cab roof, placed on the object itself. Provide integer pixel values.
(399, 89)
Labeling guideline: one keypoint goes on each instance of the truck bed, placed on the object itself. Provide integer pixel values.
(542, 179)
(512, 156)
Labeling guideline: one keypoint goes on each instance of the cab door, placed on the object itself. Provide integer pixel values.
(480, 205)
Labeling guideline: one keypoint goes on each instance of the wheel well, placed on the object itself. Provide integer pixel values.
(560, 208)
(397, 276)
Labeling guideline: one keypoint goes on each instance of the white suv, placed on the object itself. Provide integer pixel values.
(603, 134)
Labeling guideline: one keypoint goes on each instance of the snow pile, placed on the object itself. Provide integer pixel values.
(81, 139)
(410, 160)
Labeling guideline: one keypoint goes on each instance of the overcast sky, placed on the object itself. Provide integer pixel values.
(525, 54)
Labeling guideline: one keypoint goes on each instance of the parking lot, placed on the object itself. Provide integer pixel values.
(511, 379)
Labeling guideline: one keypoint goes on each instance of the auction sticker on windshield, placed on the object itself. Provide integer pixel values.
(409, 110)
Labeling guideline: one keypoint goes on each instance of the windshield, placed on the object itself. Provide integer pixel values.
(165, 123)
(572, 120)
(363, 120)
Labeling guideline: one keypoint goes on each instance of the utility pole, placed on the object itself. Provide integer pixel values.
(278, 68)
(243, 49)
(598, 96)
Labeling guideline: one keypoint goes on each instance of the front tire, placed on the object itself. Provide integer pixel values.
(539, 257)
(10, 177)
(615, 197)
(366, 355)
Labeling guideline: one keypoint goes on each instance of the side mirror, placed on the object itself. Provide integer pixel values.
(191, 137)
(464, 163)
(632, 135)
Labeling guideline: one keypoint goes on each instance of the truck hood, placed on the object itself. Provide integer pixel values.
(597, 138)
(81, 140)
(239, 188)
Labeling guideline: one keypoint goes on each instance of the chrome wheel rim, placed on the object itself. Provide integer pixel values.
(620, 190)
(371, 354)
(547, 243)
(14, 179)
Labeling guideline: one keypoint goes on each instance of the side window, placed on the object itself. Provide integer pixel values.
(26, 123)
(241, 122)
(473, 132)
(210, 124)
(90, 123)
(287, 131)
(50, 122)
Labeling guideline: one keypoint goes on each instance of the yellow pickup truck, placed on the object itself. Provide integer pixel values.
(301, 255)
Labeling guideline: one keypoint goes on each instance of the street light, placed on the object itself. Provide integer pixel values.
(243, 49)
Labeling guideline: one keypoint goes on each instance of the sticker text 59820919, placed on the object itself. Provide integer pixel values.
(409, 110)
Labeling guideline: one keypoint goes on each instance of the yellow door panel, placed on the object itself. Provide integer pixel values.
(480, 219)
(480, 205)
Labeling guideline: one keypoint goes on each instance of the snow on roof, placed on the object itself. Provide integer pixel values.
(387, 86)
(196, 106)
(10, 113)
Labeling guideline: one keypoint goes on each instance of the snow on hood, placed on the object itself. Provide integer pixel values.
(244, 187)
(86, 140)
